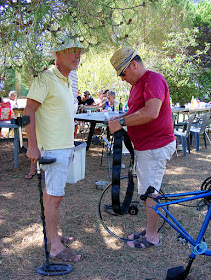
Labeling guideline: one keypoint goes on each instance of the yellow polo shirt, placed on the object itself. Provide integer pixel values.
(55, 116)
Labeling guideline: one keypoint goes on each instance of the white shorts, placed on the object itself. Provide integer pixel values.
(151, 166)
(56, 173)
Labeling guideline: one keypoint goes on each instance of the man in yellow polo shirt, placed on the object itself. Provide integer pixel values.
(50, 105)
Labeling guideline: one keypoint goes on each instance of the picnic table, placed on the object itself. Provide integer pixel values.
(188, 111)
(94, 118)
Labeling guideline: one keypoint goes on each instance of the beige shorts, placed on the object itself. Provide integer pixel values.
(56, 173)
(151, 166)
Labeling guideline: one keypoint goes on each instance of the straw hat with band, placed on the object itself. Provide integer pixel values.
(122, 58)
(64, 42)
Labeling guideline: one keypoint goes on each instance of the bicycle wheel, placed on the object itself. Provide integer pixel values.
(121, 226)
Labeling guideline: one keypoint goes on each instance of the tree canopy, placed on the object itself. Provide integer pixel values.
(167, 33)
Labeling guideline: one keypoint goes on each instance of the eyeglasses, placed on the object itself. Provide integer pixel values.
(122, 74)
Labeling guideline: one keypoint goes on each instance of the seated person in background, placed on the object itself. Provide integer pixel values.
(110, 102)
(101, 100)
(84, 100)
(13, 101)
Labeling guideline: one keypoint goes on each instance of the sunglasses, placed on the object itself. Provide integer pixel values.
(122, 74)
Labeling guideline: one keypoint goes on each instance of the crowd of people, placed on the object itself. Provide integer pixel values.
(104, 101)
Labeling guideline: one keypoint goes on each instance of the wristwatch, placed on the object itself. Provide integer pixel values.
(122, 121)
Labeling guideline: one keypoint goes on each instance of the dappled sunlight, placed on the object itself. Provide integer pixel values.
(110, 241)
(94, 154)
(105, 257)
(25, 238)
(90, 230)
(28, 238)
(177, 170)
(207, 159)
(77, 245)
(8, 195)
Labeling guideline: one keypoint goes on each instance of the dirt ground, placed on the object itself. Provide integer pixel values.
(104, 256)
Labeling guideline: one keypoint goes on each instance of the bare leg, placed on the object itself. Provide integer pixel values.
(51, 204)
(152, 221)
(152, 225)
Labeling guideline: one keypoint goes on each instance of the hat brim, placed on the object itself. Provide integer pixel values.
(127, 63)
(82, 50)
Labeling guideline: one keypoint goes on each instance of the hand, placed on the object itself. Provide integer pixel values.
(114, 125)
(33, 153)
(113, 118)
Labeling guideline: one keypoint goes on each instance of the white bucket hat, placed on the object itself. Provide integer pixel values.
(65, 42)
(122, 58)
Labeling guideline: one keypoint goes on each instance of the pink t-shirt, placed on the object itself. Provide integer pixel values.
(159, 132)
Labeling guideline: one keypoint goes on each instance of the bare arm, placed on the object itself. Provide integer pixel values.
(142, 116)
(33, 153)
(119, 117)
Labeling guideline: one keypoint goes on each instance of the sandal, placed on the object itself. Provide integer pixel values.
(66, 256)
(143, 241)
(29, 176)
(137, 235)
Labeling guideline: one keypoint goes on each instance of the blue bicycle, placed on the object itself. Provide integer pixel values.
(198, 245)
(109, 218)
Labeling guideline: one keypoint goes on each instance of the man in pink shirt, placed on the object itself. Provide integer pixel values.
(150, 128)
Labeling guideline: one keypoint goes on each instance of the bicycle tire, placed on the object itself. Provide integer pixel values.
(120, 226)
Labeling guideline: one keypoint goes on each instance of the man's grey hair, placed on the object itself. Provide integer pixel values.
(111, 93)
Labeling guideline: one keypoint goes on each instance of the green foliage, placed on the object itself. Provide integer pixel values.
(96, 72)
(181, 69)
(9, 82)
(29, 28)
(202, 15)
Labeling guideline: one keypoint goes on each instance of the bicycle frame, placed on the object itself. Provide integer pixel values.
(199, 246)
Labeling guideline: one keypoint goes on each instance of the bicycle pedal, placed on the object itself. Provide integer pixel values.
(201, 204)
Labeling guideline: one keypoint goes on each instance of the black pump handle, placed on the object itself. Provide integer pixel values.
(46, 160)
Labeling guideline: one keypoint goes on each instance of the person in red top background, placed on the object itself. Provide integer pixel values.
(150, 128)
